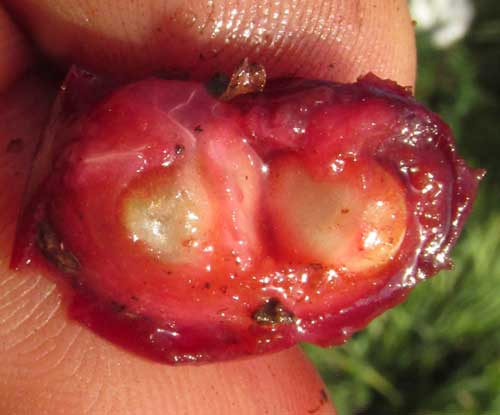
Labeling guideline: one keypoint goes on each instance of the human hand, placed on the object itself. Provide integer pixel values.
(48, 363)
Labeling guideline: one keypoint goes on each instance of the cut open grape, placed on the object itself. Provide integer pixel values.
(193, 229)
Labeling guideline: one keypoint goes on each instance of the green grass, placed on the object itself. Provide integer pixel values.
(439, 352)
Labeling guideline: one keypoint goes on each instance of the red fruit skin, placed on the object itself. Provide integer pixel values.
(206, 302)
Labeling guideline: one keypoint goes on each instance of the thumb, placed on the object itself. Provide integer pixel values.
(339, 39)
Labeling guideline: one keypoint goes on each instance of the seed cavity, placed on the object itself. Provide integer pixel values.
(54, 249)
(355, 219)
(171, 215)
(273, 312)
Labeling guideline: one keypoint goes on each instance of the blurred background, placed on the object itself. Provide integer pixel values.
(439, 353)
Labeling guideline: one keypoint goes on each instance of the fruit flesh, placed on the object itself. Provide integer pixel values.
(198, 230)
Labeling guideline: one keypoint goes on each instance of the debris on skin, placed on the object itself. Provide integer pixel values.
(248, 78)
(273, 312)
(54, 250)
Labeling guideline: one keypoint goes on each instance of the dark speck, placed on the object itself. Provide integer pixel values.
(179, 149)
(15, 146)
(273, 312)
(198, 129)
(344, 210)
(218, 84)
(54, 249)
(117, 307)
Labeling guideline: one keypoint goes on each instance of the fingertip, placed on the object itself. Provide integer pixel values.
(337, 40)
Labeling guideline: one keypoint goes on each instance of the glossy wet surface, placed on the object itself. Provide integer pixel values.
(193, 229)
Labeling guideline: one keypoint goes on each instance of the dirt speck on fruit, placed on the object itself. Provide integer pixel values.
(273, 312)
(54, 250)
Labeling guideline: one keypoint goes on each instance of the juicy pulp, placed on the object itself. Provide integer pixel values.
(194, 229)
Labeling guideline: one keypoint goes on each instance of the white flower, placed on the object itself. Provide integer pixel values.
(447, 20)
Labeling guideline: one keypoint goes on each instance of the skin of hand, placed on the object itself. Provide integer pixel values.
(48, 363)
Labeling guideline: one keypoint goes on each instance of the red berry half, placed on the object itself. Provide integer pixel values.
(195, 229)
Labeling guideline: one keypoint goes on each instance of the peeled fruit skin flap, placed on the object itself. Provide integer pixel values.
(191, 229)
